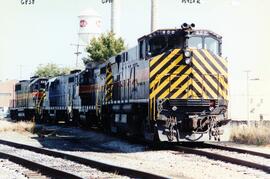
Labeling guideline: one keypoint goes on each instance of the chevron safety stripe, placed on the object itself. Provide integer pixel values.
(168, 73)
(162, 63)
(199, 89)
(210, 70)
(156, 59)
(218, 64)
(182, 90)
(210, 82)
(206, 64)
(177, 82)
(167, 70)
(108, 83)
(164, 71)
(192, 94)
(205, 78)
(207, 87)
(218, 68)
(206, 68)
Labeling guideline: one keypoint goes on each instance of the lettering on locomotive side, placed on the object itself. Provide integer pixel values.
(191, 1)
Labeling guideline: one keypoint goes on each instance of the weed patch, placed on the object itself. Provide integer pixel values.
(20, 126)
(251, 134)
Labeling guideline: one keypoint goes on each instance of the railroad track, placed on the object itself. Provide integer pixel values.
(225, 158)
(233, 149)
(87, 162)
(37, 170)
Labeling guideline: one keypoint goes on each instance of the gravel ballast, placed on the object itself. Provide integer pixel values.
(11, 170)
(57, 163)
(175, 165)
(164, 162)
(247, 157)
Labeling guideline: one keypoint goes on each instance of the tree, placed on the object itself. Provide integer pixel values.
(51, 70)
(102, 48)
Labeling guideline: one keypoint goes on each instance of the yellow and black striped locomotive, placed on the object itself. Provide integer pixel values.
(173, 86)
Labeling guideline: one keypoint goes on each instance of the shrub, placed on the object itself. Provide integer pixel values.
(20, 126)
(258, 134)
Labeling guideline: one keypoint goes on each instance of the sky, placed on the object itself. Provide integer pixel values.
(42, 33)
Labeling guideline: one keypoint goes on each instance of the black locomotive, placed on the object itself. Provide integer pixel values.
(172, 86)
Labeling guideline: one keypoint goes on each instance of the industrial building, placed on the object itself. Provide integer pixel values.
(6, 96)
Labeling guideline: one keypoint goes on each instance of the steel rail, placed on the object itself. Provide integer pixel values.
(222, 158)
(91, 163)
(233, 149)
(44, 170)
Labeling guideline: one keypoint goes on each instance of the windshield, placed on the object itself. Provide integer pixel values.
(161, 44)
(195, 42)
(211, 44)
(200, 42)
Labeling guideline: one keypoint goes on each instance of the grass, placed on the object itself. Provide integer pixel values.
(16, 126)
(251, 134)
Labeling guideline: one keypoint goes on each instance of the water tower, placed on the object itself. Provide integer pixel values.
(89, 25)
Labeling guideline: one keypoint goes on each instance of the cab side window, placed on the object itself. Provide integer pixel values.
(142, 49)
(18, 87)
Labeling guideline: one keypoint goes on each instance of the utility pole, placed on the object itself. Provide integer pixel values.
(115, 15)
(247, 81)
(20, 70)
(77, 53)
(247, 78)
(153, 15)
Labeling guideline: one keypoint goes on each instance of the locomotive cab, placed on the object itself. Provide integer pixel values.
(88, 95)
(29, 98)
(168, 39)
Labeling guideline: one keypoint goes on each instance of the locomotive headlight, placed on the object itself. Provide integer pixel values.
(187, 54)
(187, 61)
(174, 108)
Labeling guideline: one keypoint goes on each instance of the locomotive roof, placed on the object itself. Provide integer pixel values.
(36, 79)
(23, 81)
(52, 79)
(204, 32)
